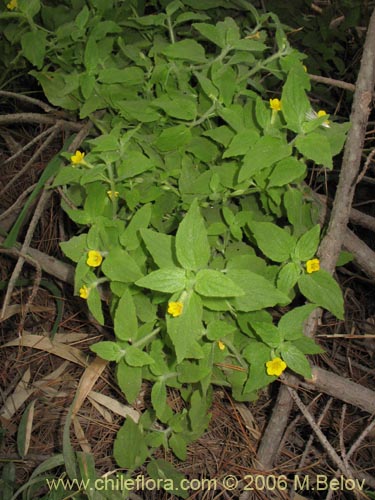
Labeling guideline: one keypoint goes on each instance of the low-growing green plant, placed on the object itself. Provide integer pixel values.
(193, 219)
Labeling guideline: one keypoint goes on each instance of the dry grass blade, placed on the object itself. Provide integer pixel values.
(87, 382)
(14, 401)
(25, 429)
(82, 440)
(115, 406)
(52, 346)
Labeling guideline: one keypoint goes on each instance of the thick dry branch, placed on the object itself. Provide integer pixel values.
(30, 100)
(364, 256)
(356, 216)
(333, 82)
(50, 265)
(38, 118)
(342, 388)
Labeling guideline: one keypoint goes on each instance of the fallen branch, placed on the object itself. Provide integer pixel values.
(38, 118)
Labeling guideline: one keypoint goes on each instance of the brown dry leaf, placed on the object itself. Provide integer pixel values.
(100, 409)
(82, 440)
(87, 382)
(115, 406)
(18, 309)
(15, 400)
(52, 346)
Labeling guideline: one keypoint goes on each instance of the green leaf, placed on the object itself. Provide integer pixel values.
(34, 47)
(308, 243)
(91, 55)
(291, 323)
(185, 330)
(177, 107)
(295, 360)
(67, 175)
(307, 345)
(211, 283)
(161, 247)
(75, 247)
(129, 379)
(266, 151)
(125, 320)
(259, 292)
(120, 266)
(188, 50)
(141, 219)
(241, 143)
(218, 329)
(268, 333)
(172, 480)
(134, 163)
(293, 201)
(192, 246)
(274, 242)
(130, 450)
(320, 288)
(29, 7)
(315, 146)
(286, 171)
(288, 277)
(178, 446)
(212, 33)
(223, 135)
(94, 303)
(295, 103)
(169, 280)
(173, 138)
(137, 357)
(129, 76)
(192, 372)
(203, 149)
(159, 397)
(110, 351)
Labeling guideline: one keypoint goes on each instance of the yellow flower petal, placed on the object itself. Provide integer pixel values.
(84, 292)
(13, 4)
(275, 104)
(94, 258)
(275, 367)
(175, 308)
(77, 158)
(321, 113)
(113, 194)
(312, 266)
(221, 345)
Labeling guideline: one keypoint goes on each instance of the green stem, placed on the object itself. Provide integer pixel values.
(170, 29)
(141, 342)
(113, 197)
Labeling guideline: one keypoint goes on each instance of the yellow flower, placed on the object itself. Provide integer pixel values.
(221, 345)
(275, 367)
(84, 292)
(175, 308)
(312, 265)
(275, 104)
(77, 158)
(13, 4)
(321, 113)
(113, 194)
(255, 36)
(94, 258)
